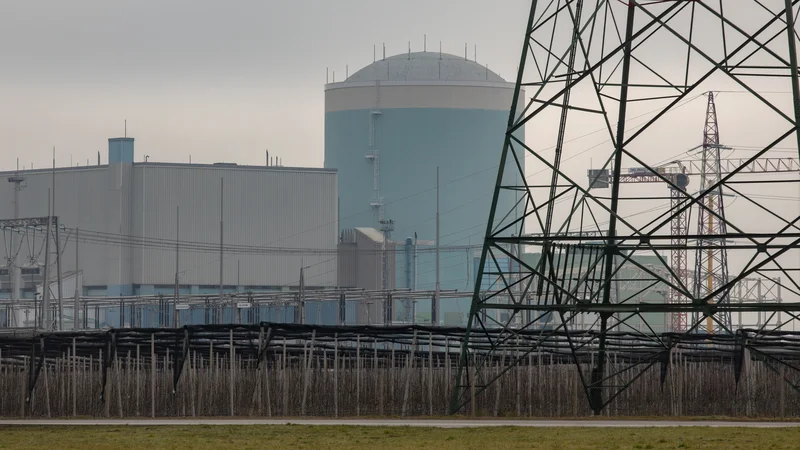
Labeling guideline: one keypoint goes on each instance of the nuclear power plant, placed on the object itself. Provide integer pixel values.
(612, 231)
(410, 153)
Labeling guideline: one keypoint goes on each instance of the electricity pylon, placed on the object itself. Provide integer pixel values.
(624, 67)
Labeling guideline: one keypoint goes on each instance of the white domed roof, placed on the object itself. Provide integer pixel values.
(425, 66)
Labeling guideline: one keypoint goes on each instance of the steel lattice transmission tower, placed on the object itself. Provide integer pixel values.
(711, 261)
(602, 80)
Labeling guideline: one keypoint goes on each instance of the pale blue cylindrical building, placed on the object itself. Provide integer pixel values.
(387, 128)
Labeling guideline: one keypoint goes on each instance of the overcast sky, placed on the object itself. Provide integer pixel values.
(217, 80)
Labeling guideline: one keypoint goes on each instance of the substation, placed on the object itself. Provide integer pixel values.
(570, 243)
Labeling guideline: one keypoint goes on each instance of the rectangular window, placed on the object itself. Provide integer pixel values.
(30, 270)
(3, 272)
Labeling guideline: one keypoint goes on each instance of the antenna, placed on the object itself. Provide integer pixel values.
(465, 51)
(346, 71)
(475, 53)
(267, 157)
(98, 159)
(373, 52)
(126, 127)
(424, 42)
(326, 75)
(54, 180)
(409, 49)
(334, 76)
(440, 49)
(384, 50)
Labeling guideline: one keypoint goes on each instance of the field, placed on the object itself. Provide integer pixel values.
(343, 437)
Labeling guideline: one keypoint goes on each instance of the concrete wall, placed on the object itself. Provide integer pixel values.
(361, 260)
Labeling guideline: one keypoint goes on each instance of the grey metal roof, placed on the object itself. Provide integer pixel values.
(232, 166)
(425, 66)
(7, 173)
(50, 170)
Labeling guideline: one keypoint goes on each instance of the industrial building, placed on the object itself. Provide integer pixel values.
(137, 226)
(367, 220)
(388, 127)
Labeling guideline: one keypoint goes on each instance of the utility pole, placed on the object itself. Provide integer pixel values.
(58, 274)
(58, 250)
(77, 299)
(436, 296)
(301, 315)
(414, 301)
(177, 264)
(18, 181)
(45, 325)
(221, 236)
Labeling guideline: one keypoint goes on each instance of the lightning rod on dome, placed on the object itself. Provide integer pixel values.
(346, 71)
(384, 50)
(465, 52)
(475, 54)
(425, 42)
(440, 49)
(373, 52)
(409, 49)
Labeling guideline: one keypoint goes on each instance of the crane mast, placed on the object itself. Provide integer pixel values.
(679, 227)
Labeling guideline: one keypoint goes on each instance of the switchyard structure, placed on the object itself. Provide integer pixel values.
(596, 63)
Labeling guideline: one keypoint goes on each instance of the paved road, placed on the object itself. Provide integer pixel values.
(454, 423)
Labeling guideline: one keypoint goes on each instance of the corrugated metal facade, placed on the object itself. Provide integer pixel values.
(263, 207)
(81, 196)
(286, 208)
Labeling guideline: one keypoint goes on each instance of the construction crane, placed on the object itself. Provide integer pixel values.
(707, 277)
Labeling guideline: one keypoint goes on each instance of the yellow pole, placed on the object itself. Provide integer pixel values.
(710, 280)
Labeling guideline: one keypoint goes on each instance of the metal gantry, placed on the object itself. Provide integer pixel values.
(48, 316)
(624, 67)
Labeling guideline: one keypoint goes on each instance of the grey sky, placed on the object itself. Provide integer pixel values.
(217, 80)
